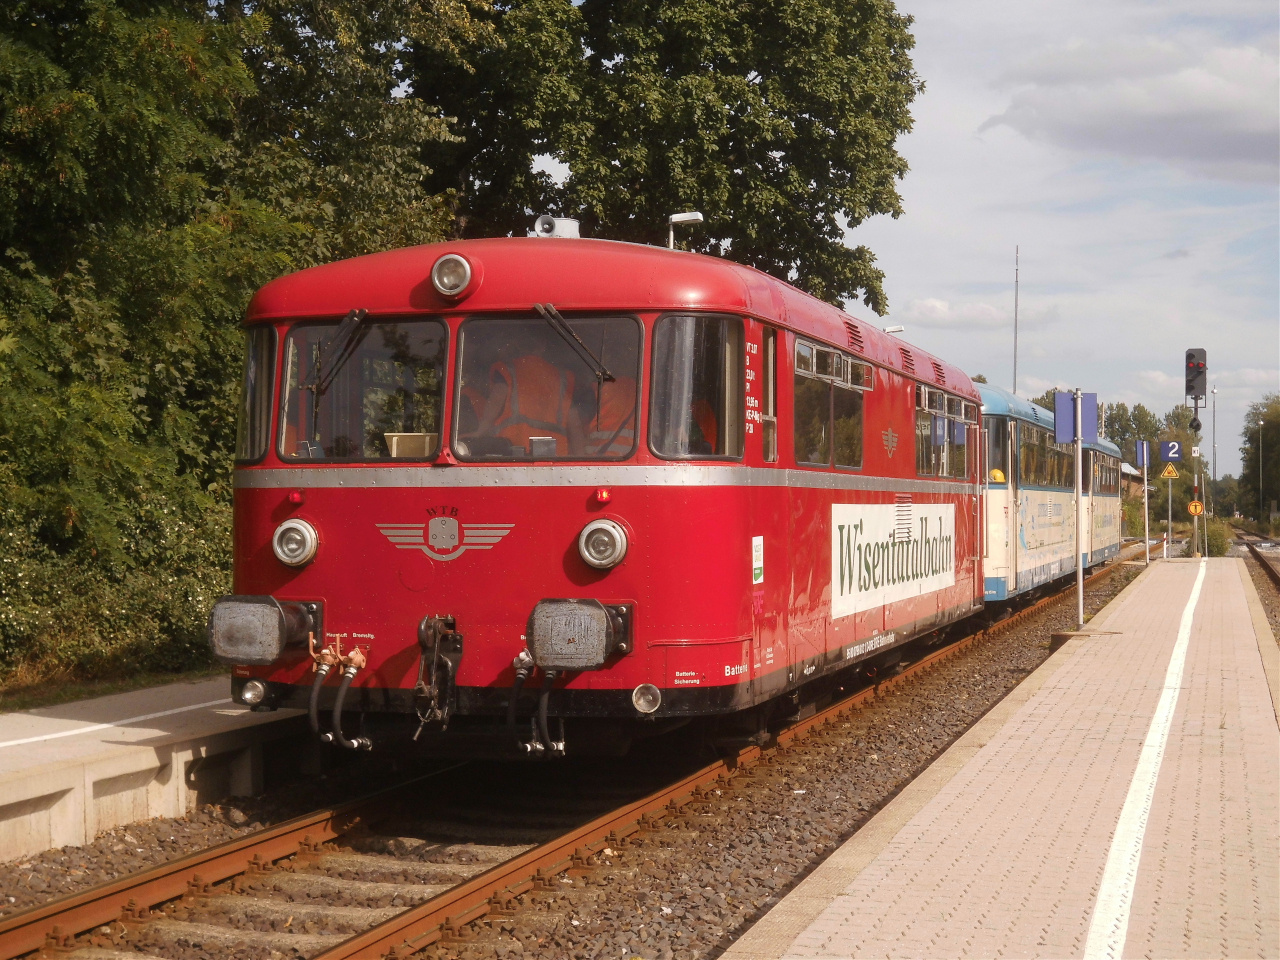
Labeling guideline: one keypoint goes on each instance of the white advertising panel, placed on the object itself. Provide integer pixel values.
(882, 553)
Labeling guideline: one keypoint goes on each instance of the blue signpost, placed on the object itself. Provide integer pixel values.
(1171, 450)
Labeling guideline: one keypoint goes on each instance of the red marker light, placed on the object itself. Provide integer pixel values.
(295, 496)
(603, 495)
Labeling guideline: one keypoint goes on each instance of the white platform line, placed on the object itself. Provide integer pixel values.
(1110, 923)
(115, 723)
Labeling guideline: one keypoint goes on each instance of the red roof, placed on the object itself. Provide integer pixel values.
(513, 273)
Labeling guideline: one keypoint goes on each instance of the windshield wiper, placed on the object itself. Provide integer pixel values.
(560, 325)
(343, 343)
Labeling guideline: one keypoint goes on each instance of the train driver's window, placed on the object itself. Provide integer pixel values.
(696, 404)
(362, 389)
(547, 388)
(253, 430)
(997, 430)
(769, 400)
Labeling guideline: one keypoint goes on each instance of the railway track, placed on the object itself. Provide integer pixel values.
(416, 866)
(1270, 561)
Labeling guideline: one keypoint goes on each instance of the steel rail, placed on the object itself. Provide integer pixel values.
(53, 923)
(445, 916)
(1268, 563)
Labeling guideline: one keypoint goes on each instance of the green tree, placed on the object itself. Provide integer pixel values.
(778, 120)
(1261, 436)
(1046, 399)
(1225, 496)
(161, 159)
(1146, 425)
(329, 137)
(1118, 428)
(120, 265)
(978, 378)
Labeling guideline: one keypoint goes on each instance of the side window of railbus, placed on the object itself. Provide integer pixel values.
(828, 406)
(769, 400)
(547, 388)
(957, 439)
(997, 430)
(697, 393)
(933, 433)
(362, 389)
(253, 429)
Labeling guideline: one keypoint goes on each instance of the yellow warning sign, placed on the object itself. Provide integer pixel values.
(1169, 472)
(1195, 508)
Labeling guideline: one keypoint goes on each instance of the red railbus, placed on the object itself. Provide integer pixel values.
(560, 484)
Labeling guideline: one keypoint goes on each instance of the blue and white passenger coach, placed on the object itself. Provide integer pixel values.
(1030, 506)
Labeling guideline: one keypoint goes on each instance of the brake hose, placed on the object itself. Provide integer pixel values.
(313, 705)
(359, 743)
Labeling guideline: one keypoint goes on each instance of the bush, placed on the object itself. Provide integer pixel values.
(74, 615)
(1219, 536)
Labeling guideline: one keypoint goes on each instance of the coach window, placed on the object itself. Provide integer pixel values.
(253, 430)
(811, 402)
(929, 439)
(997, 430)
(696, 404)
(828, 406)
(769, 401)
(359, 389)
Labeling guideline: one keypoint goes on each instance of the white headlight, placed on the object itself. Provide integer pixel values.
(295, 543)
(602, 544)
(253, 692)
(646, 698)
(451, 274)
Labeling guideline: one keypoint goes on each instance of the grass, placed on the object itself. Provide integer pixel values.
(26, 690)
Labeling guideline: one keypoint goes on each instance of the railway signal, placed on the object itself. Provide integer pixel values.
(1196, 371)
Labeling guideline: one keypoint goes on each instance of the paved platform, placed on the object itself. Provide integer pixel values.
(71, 771)
(1123, 801)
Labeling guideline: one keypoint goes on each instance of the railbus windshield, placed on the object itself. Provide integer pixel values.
(547, 388)
(356, 389)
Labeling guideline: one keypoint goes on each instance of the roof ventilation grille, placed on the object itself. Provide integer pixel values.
(908, 361)
(855, 337)
(939, 373)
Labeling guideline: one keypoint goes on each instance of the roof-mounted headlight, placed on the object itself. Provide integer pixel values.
(602, 544)
(295, 543)
(451, 275)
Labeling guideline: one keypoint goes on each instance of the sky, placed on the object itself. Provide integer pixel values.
(1131, 150)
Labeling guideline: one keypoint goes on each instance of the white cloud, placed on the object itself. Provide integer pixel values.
(1212, 111)
(933, 312)
(1127, 260)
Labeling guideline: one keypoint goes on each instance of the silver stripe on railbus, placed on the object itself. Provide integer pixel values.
(673, 475)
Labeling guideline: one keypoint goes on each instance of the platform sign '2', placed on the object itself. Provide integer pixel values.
(1171, 450)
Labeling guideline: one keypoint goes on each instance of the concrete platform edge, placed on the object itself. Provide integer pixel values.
(69, 803)
(1262, 630)
(770, 936)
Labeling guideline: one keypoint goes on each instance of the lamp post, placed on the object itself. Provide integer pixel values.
(1214, 466)
(1260, 422)
(1017, 265)
(692, 216)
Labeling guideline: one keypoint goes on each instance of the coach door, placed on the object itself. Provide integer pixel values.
(770, 551)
